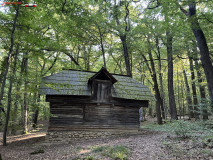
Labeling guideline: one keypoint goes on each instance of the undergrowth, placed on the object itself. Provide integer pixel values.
(115, 152)
(184, 129)
(199, 133)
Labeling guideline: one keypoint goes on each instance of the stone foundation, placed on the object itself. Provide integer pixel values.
(68, 136)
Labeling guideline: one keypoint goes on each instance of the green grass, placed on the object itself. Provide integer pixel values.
(85, 158)
(89, 158)
(115, 152)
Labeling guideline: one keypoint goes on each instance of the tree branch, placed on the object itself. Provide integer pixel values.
(157, 5)
(51, 65)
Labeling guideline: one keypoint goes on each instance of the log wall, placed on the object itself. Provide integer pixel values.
(92, 116)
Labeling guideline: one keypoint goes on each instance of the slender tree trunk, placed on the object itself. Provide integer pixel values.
(18, 97)
(161, 80)
(157, 92)
(178, 95)
(202, 92)
(189, 99)
(182, 96)
(8, 113)
(36, 100)
(36, 113)
(9, 55)
(102, 46)
(15, 110)
(9, 99)
(25, 94)
(172, 104)
(126, 55)
(196, 110)
(78, 53)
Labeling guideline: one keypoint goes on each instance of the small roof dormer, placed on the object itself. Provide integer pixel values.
(103, 74)
(101, 84)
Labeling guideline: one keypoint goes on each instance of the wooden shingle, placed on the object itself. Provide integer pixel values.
(71, 82)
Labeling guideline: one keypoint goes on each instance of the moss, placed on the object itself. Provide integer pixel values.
(126, 87)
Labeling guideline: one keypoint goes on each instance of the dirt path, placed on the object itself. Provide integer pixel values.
(21, 139)
(146, 146)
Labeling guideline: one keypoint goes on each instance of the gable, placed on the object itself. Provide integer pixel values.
(103, 74)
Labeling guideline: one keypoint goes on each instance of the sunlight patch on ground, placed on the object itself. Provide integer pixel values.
(84, 151)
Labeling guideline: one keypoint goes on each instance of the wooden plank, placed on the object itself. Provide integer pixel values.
(67, 99)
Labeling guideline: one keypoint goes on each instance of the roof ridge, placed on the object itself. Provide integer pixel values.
(92, 72)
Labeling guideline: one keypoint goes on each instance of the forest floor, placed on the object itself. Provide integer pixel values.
(148, 145)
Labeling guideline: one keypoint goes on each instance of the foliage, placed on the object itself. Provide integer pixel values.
(184, 129)
(115, 152)
(88, 158)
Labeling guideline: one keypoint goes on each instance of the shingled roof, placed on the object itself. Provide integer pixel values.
(71, 82)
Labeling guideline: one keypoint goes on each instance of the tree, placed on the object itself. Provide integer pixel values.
(9, 54)
(188, 96)
(9, 97)
(123, 32)
(202, 44)
(154, 78)
(172, 104)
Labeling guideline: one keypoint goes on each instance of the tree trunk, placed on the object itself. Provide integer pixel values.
(15, 110)
(196, 111)
(189, 99)
(172, 104)
(178, 94)
(157, 92)
(126, 55)
(25, 94)
(163, 107)
(18, 97)
(102, 46)
(204, 50)
(202, 92)
(123, 35)
(9, 99)
(9, 54)
(36, 113)
(182, 96)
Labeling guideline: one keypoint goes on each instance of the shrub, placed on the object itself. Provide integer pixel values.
(182, 129)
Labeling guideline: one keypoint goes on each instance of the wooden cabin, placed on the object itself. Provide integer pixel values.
(81, 100)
